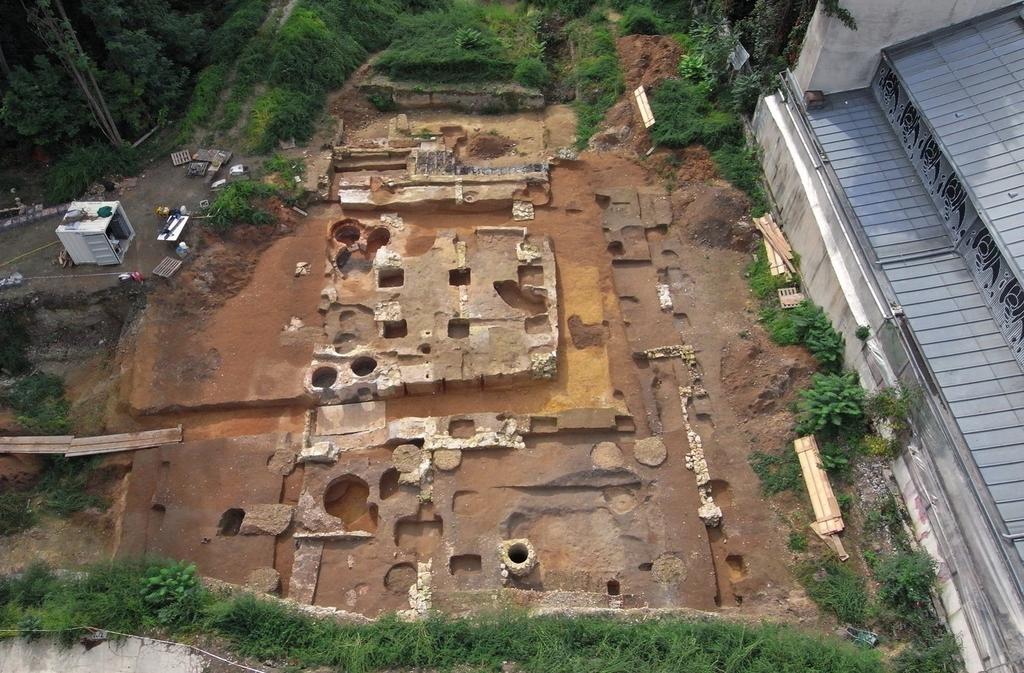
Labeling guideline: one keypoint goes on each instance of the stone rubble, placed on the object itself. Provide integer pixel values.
(522, 211)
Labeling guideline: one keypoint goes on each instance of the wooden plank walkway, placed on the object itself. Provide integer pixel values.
(167, 267)
(89, 446)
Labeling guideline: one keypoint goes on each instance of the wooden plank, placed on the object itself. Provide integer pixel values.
(129, 441)
(47, 444)
(766, 223)
(646, 114)
(167, 268)
(828, 517)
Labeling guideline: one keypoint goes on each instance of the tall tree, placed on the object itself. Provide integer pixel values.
(50, 22)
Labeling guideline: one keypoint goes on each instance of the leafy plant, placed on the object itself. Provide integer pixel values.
(891, 406)
(63, 485)
(835, 459)
(173, 591)
(832, 405)
(937, 654)
(905, 580)
(863, 332)
(469, 38)
(597, 76)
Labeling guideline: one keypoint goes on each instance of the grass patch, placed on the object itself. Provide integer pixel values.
(740, 164)
(61, 491)
(119, 596)
(232, 36)
(835, 587)
(39, 404)
(14, 342)
(597, 75)
(778, 472)
(205, 97)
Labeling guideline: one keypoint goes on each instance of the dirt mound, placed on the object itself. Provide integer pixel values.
(648, 59)
(19, 469)
(681, 167)
(763, 381)
(715, 216)
(489, 146)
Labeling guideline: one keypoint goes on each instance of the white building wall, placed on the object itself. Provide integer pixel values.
(835, 58)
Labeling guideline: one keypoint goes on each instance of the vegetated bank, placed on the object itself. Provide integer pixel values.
(153, 597)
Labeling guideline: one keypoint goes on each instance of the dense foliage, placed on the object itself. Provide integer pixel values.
(138, 595)
(598, 78)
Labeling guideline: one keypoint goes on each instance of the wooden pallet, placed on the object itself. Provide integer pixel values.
(181, 158)
(790, 297)
(167, 268)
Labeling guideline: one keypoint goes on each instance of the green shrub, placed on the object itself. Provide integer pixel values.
(32, 586)
(740, 164)
(640, 20)
(874, 445)
(892, 405)
(836, 588)
(241, 203)
(905, 580)
(531, 72)
(454, 45)
(686, 116)
(835, 459)
(806, 324)
(863, 332)
(16, 512)
(778, 472)
(832, 406)
(72, 174)
(39, 403)
(174, 592)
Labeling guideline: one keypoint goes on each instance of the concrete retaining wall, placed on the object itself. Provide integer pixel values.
(131, 655)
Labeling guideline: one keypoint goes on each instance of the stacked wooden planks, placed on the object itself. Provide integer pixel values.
(780, 254)
(642, 104)
(828, 519)
(89, 446)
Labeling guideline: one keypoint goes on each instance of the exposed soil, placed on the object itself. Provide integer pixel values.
(489, 146)
(715, 215)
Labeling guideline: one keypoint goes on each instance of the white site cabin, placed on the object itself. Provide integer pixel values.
(96, 232)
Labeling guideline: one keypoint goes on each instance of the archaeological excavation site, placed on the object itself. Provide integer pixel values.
(483, 380)
(531, 337)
